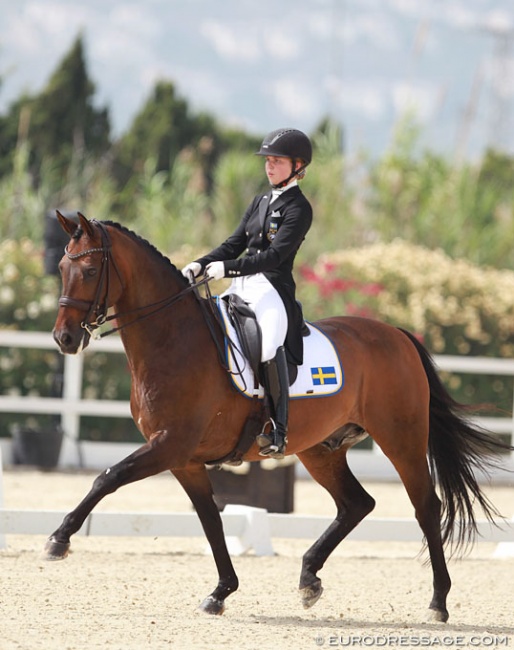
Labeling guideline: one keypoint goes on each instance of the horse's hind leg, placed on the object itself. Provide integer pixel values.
(146, 461)
(330, 469)
(420, 488)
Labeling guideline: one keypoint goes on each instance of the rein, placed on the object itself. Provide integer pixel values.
(159, 306)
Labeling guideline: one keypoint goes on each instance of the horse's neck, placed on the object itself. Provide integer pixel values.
(149, 327)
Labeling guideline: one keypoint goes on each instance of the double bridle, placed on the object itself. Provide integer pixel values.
(96, 309)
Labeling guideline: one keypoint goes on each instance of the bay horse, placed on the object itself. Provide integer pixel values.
(185, 406)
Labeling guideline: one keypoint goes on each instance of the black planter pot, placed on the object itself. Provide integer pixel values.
(39, 447)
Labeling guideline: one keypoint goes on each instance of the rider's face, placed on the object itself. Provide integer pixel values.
(277, 169)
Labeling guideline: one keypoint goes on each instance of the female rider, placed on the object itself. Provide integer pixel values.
(269, 235)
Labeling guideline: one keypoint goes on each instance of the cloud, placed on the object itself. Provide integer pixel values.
(367, 99)
(378, 29)
(422, 98)
(500, 21)
(40, 26)
(231, 43)
(251, 44)
(281, 45)
(135, 20)
(294, 98)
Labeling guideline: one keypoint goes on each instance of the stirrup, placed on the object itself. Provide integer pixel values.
(266, 439)
(270, 443)
(274, 450)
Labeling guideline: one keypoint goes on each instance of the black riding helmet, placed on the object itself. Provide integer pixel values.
(287, 143)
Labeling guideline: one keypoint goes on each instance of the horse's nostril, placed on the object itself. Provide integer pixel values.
(63, 339)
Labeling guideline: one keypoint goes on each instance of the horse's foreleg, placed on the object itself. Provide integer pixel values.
(196, 483)
(330, 469)
(145, 461)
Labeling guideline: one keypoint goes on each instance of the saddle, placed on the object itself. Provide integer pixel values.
(249, 333)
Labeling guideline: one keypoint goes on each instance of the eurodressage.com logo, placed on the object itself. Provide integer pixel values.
(412, 641)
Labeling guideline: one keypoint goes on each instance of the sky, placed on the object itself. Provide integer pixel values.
(260, 66)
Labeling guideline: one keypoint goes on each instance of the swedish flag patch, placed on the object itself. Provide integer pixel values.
(323, 376)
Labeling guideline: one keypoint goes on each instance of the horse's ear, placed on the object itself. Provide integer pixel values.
(86, 225)
(68, 225)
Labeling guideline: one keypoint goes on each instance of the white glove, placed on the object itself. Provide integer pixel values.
(215, 270)
(192, 270)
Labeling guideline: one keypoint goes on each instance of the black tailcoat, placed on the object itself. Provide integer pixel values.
(270, 235)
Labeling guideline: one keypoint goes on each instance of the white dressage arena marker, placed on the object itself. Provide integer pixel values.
(256, 532)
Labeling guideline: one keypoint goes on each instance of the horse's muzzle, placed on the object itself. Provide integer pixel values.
(71, 342)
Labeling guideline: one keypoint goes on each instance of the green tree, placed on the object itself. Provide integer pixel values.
(61, 125)
(162, 131)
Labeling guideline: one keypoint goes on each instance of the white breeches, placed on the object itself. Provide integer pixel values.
(269, 309)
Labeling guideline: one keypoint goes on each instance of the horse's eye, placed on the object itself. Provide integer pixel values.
(91, 272)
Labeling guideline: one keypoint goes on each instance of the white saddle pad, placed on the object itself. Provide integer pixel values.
(321, 373)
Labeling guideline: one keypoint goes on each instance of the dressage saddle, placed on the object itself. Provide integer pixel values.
(249, 333)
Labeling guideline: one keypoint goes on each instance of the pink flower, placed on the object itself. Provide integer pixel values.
(371, 289)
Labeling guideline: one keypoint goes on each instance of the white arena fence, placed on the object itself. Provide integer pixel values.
(246, 528)
(367, 464)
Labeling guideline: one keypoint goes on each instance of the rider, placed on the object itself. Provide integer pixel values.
(270, 234)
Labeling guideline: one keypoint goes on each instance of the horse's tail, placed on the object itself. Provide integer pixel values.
(456, 448)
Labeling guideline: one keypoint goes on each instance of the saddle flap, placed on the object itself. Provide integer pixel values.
(247, 328)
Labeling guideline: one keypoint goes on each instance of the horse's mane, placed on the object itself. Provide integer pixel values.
(130, 233)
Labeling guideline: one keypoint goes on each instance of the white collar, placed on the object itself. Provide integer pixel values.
(275, 193)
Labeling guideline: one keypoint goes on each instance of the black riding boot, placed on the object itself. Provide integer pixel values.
(275, 378)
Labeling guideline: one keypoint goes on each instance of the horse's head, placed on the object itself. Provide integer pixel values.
(89, 285)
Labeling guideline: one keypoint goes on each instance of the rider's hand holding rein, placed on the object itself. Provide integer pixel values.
(215, 270)
(192, 271)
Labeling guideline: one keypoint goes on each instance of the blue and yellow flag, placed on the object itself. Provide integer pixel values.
(322, 376)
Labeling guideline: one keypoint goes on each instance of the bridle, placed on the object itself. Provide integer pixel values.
(96, 306)
(96, 309)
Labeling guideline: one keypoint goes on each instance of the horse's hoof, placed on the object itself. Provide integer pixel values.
(438, 615)
(311, 595)
(212, 606)
(55, 550)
